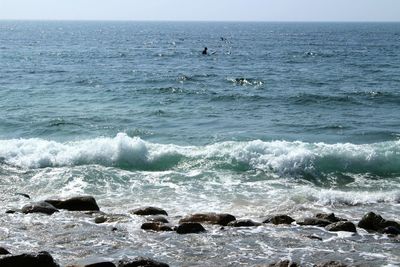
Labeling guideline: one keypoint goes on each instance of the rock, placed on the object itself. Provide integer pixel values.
(313, 221)
(329, 217)
(314, 237)
(42, 259)
(341, 226)
(279, 219)
(24, 195)
(141, 262)
(331, 264)
(157, 218)
(155, 226)
(149, 211)
(374, 222)
(39, 207)
(82, 203)
(190, 228)
(391, 230)
(210, 218)
(285, 263)
(101, 264)
(100, 219)
(4, 251)
(11, 211)
(243, 223)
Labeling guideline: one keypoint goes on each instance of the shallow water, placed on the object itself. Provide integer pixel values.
(282, 118)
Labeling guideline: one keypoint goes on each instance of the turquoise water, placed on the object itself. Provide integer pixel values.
(293, 118)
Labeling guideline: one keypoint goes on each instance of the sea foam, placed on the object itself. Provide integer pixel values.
(279, 157)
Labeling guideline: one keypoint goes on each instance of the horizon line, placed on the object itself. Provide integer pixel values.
(212, 21)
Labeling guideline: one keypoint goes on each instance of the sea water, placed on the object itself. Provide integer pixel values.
(279, 118)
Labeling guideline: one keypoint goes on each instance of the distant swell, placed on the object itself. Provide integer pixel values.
(278, 157)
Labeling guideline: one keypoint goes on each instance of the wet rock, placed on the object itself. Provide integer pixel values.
(329, 217)
(285, 263)
(82, 203)
(156, 226)
(157, 218)
(190, 228)
(4, 251)
(10, 211)
(39, 207)
(149, 211)
(101, 264)
(314, 237)
(24, 195)
(279, 219)
(243, 223)
(42, 259)
(100, 219)
(341, 226)
(391, 230)
(331, 264)
(374, 222)
(313, 221)
(141, 262)
(210, 218)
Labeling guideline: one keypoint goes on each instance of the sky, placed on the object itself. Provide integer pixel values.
(202, 10)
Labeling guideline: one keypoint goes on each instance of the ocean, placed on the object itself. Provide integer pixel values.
(278, 118)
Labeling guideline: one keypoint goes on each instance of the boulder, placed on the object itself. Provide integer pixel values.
(243, 223)
(331, 264)
(156, 226)
(341, 226)
(190, 228)
(279, 219)
(374, 222)
(149, 211)
(42, 259)
(141, 262)
(39, 207)
(313, 221)
(100, 219)
(11, 211)
(329, 217)
(210, 218)
(4, 251)
(285, 263)
(82, 203)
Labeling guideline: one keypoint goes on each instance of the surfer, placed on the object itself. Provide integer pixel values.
(205, 51)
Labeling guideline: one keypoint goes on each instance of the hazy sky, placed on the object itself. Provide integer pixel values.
(216, 10)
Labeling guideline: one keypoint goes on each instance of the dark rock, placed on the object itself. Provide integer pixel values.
(82, 203)
(285, 263)
(279, 219)
(210, 218)
(331, 264)
(141, 262)
(42, 259)
(190, 228)
(243, 223)
(11, 211)
(100, 219)
(39, 207)
(157, 218)
(101, 264)
(149, 211)
(374, 222)
(4, 251)
(329, 217)
(391, 230)
(156, 226)
(114, 229)
(341, 226)
(313, 221)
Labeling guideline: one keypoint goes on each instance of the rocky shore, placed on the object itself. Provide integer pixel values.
(158, 220)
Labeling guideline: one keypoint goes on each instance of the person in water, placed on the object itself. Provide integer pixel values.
(205, 51)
